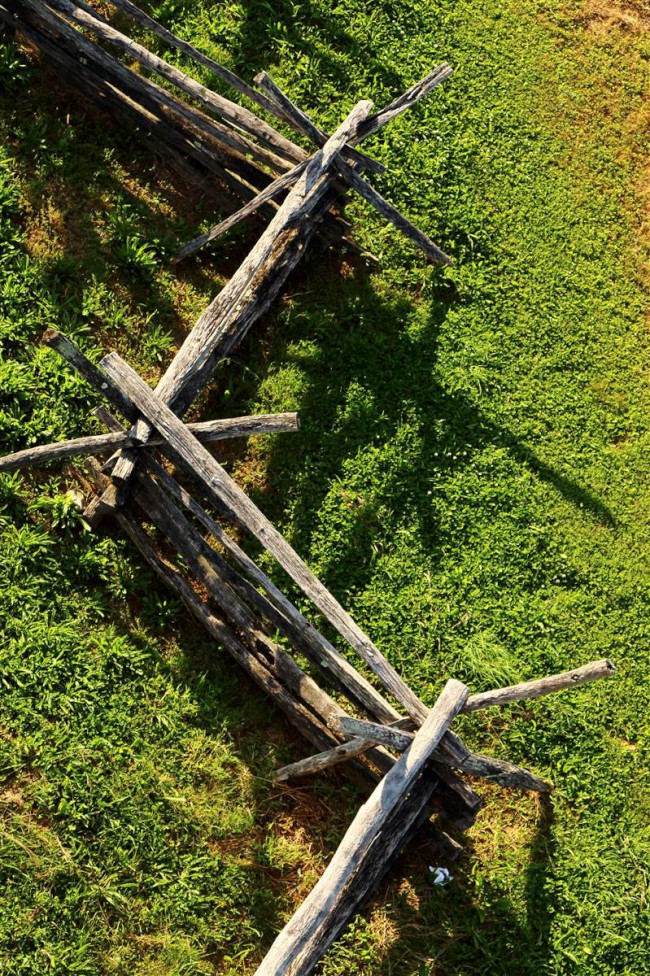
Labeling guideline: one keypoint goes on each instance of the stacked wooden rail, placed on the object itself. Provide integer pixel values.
(357, 717)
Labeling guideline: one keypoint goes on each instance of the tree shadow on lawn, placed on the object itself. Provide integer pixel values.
(368, 384)
(471, 926)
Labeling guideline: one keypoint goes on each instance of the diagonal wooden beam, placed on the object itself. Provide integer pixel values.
(140, 17)
(229, 111)
(227, 319)
(226, 492)
(342, 887)
(186, 374)
(541, 686)
(459, 799)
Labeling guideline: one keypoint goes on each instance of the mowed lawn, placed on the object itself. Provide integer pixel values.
(472, 479)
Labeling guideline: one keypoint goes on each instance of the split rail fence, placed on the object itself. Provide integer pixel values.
(137, 472)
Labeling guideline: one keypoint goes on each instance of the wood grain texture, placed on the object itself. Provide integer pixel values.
(245, 297)
(140, 17)
(287, 617)
(452, 753)
(352, 178)
(234, 114)
(542, 686)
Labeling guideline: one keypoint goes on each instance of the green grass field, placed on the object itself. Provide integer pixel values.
(472, 479)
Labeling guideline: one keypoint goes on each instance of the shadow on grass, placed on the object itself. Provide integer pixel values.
(471, 926)
(468, 927)
(368, 383)
(94, 193)
(263, 27)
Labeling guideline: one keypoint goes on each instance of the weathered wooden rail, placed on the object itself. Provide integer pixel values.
(191, 545)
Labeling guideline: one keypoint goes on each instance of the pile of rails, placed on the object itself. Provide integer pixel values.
(228, 149)
(190, 537)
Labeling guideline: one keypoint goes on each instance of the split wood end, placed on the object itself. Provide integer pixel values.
(50, 337)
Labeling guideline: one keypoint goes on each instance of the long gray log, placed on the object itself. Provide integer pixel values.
(219, 322)
(541, 686)
(403, 102)
(235, 114)
(220, 487)
(225, 493)
(504, 773)
(351, 177)
(318, 921)
(324, 655)
(317, 647)
(206, 431)
(458, 801)
(140, 17)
